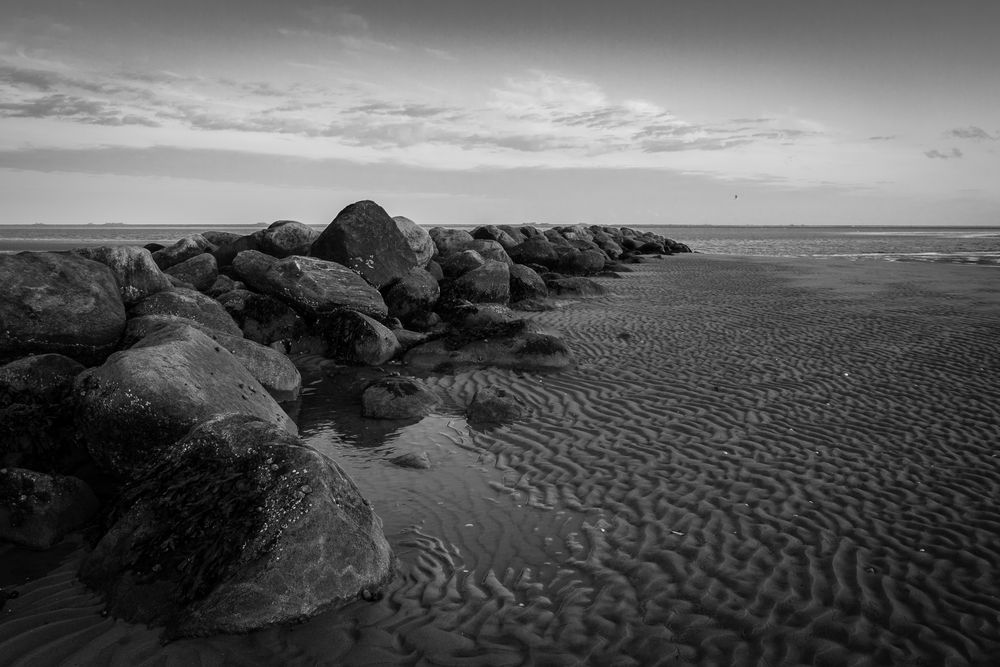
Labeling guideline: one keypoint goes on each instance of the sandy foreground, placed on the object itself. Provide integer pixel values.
(755, 461)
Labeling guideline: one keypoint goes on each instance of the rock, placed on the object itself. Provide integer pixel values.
(311, 285)
(272, 369)
(490, 283)
(219, 238)
(153, 247)
(143, 399)
(535, 251)
(494, 233)
(398, 398)
(448, 240)
(412, 460)
(555, 238)
(223, 284)
(287, 237)
(241, 526)
(414, 294)
(479, 315)
(408, 339)
(263, 318)
(434, 269)
(355, 338)
(525, 283)
(513, 345)
(60, 303)
(515, 234)
(574, 286)
(137, 274)
(38, 510)
(494, 405)
(225, 254)
(185, 248)
(364, 238)
(36, 413)
(489, 250)
(580, 262)
(461, 262)
(200, 271)
(417, 238)
(189, 304)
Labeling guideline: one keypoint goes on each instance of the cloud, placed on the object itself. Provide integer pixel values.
(339, 24)
(972, 132)
(77, 109)
(889, 137)
(936, 154)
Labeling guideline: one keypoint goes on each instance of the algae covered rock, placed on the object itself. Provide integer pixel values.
(145, 398)
(509, 345)
(495, 405)
(58, 303)
(398, 398)
(36, 413)
(239, 527)
(355, 338)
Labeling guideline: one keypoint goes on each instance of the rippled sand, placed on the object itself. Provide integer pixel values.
(755, 462)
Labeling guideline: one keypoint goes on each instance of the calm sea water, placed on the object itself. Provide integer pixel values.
(967, 245)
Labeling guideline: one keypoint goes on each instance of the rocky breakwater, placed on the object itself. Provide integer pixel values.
(164, 370)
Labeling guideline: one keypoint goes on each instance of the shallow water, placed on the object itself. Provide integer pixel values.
(749, 465)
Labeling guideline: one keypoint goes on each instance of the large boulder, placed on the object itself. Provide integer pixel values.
(364, 238)
(275, 372)
(240, 526)
(494, 233)
(355, 338)
(137, 274)
(37, 510)
(460, 262)
(189, 304)
(448, 240)
(143, 399)
(287, 237)
(199, 271)
(512, 345)
(525, 283)
(574, 261)
(263, 318)
(398, 398)
(37, 429)
(220, 238)
(412, 296)
(489, 283)
(536, 250)
(60, 303)
(418, 238)
(225, 254)
(311, 285)
(182, 249)
(488, 249)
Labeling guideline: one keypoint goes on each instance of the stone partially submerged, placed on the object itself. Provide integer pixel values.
(509, 345)
(239, 527)
(143, 399)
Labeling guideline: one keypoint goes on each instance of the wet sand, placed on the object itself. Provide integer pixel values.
(756, 461)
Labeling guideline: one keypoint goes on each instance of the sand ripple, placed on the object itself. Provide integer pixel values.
(746, 467)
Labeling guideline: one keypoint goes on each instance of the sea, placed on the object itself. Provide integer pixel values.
(959, 245)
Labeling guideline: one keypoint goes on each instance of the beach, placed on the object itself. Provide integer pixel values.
(754, 461)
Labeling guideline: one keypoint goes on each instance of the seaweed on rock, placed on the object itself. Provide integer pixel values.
(211, 513)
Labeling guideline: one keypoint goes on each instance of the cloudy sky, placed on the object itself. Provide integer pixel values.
(466, 111)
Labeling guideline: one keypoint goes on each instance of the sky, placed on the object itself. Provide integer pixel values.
(473, 112)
